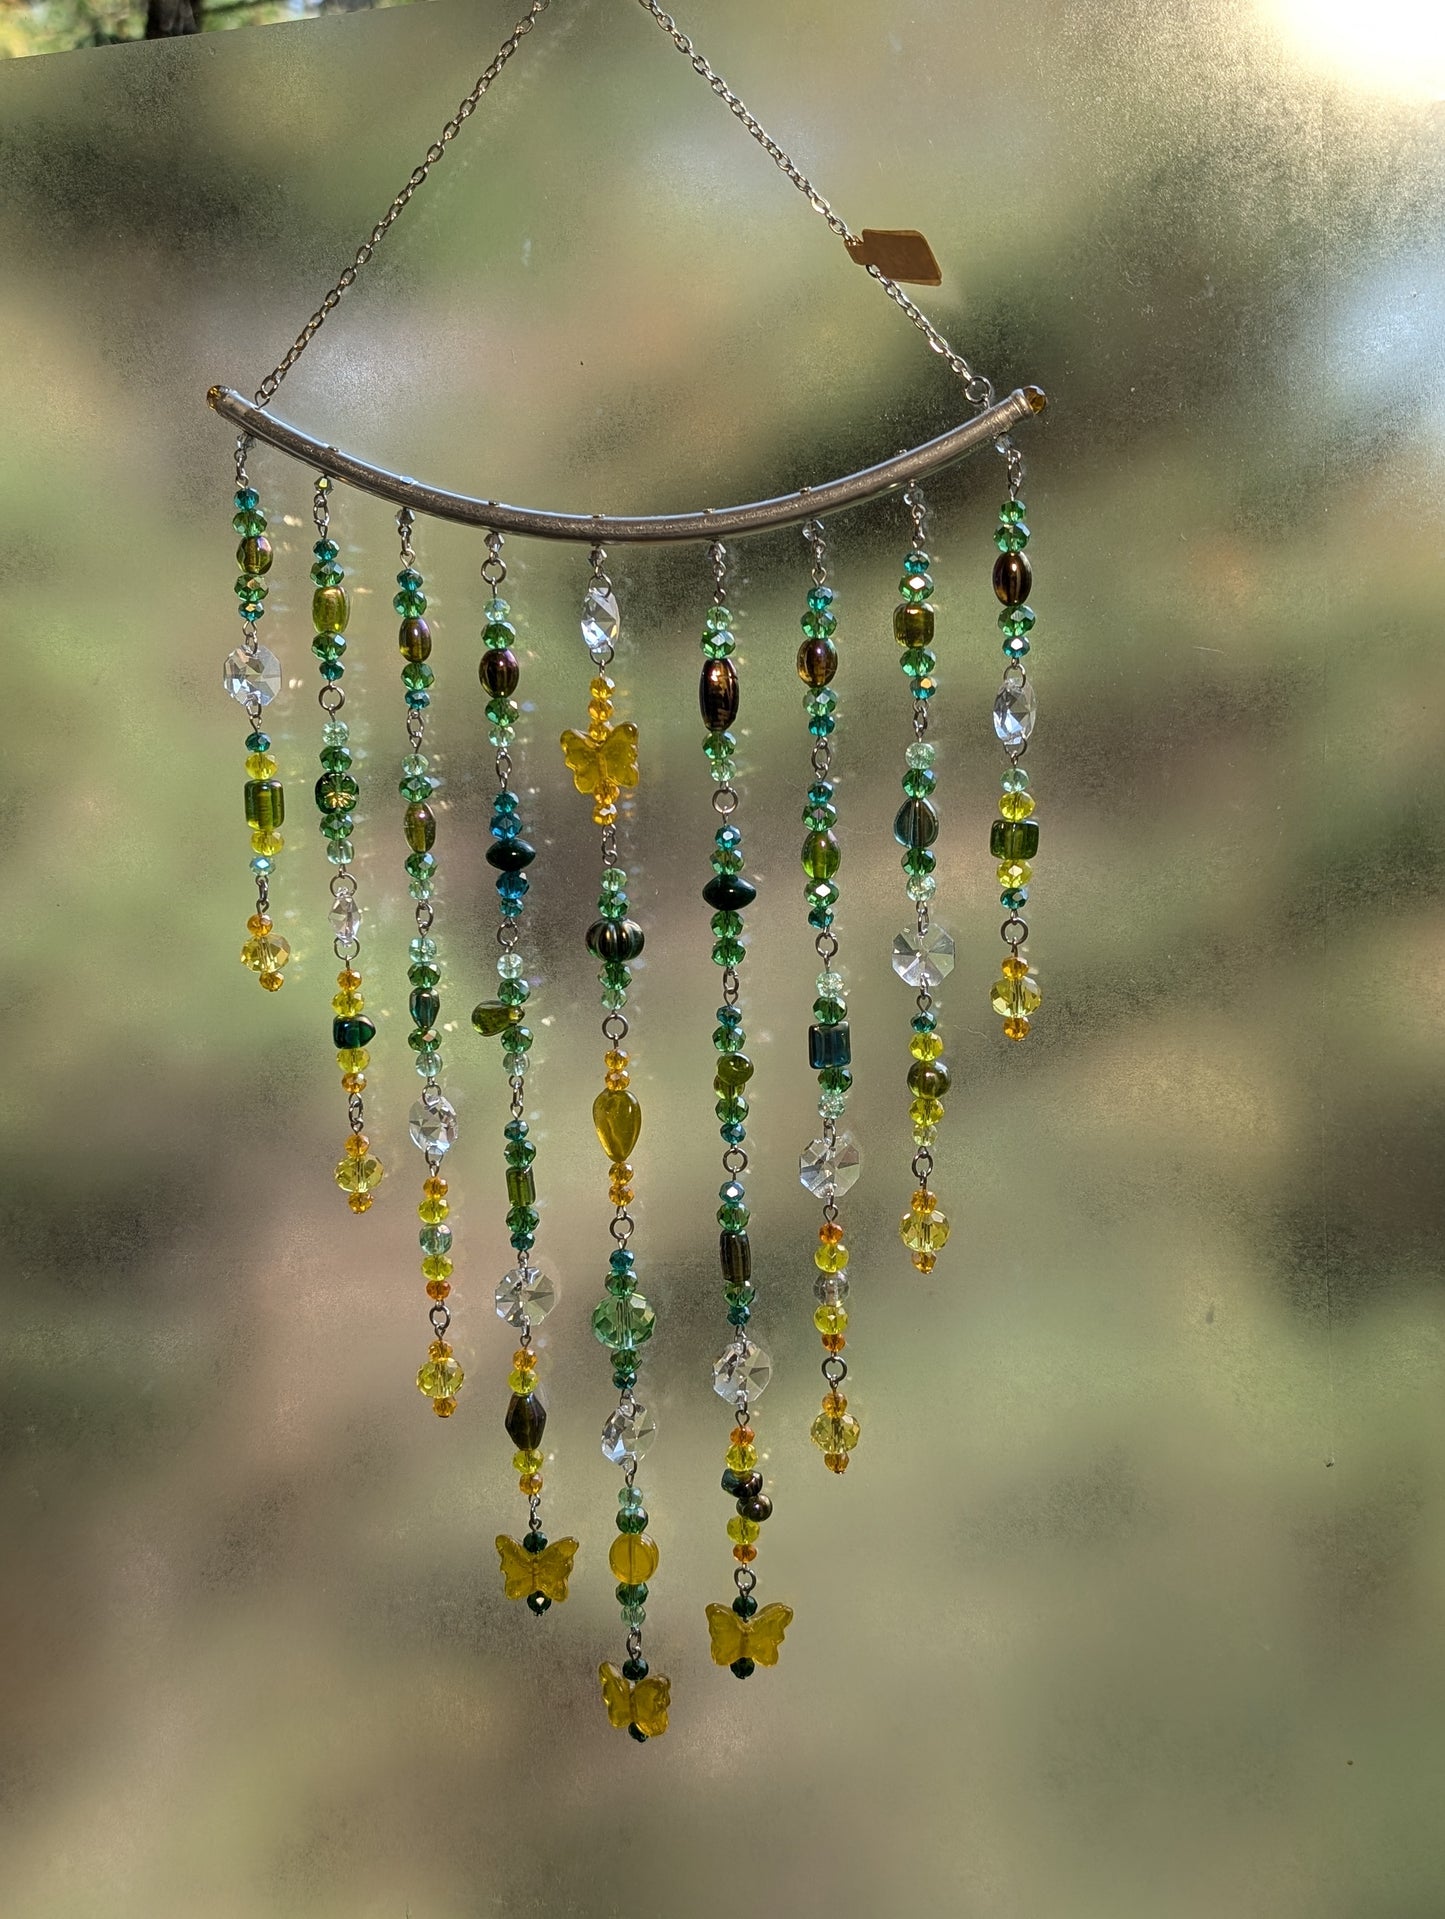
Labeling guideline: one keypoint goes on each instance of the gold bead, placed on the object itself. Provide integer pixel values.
(359, 1202)
(1015, 1029)
(273, 982)
(444, 1408)
(438, 1289)
(530, 1484)
(348, 979)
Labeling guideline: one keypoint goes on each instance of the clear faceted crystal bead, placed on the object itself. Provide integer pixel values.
(830, 1289)
(741, 1367)
(829, 1171)
(433, 1127)
(1014, 711)
(345, 919)
(923, 959)
(249, 676)
(509, 966)
(628, 1434)
(525, 1293)
(601, 621)
(922, 753)
(830, 985)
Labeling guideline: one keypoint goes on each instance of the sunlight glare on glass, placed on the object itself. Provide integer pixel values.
(1394, 46)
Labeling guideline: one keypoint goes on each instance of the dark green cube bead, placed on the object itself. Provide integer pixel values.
(1014, 839)
(830, 1045)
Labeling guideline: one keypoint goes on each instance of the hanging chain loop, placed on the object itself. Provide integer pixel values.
(435, 152)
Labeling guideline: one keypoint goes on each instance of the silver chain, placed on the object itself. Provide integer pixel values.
(435, 152)
(977, 388)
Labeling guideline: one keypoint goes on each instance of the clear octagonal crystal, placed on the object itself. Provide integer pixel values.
(252, 675)
(433, 1125)
(828, 1171)
(1014, 711)
(923, 959)
(741, 1367)
(629, 1433)
(525, 1293)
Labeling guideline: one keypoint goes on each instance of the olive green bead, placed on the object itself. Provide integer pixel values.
(330, 609)
(821, 856)
(817, 662)
(913, 624)
(1014, 839)
(265, 805)
(928, 1079)
(521, 1186)
(254, 555)
(492, 1018)
(420, 827)
(733, 1071)
(414, 640)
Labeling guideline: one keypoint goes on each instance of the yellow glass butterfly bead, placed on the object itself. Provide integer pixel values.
(536, 1576)
(640, 1707)
(744, 1643)
(601, 762)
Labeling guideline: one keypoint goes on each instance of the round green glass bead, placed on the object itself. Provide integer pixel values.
(919, 859)
(726, 925)
(502, 711)
(249, 524)
(336, 792)
(917, 662)
(818, 625)
(733, 1070)
(514, 992)
(728, 952)
(1015, 621)
(422, 974)
(916, 587)
(416, 673)
(335, 759)
(919, 782)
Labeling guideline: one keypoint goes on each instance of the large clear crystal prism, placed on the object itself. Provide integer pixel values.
(828, 1171)
(1014, 711)
(601, 621)
(249, 676)
(741, 1367)
(628, 1434)
(526, 1293)
(433, 1125)
(923, 959)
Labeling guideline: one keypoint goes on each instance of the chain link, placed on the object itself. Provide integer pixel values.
(977, 389)
(437, 151)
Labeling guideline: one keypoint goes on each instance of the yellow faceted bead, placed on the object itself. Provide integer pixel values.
(925, 1046)
(835, 1403)
(347, 1003)
(267, 842)
(265, 953)
(617, 1118)
(835, 1433)
(359, 1202)
(440, 1378)
(1014, 872)
(1014, 1028)
(527, 1461)
(353, 1059)
(439, 1349)
(438, 1289)
(633, 1558)
(925, 1262)
(620, 1193)
(601, 689)
(521, 1382)
(615, 1062)
(432, 1212)
(830, 1319)
(530, 1484)
(358, 1175)
(1016, 806)
(1014, 997)
(924, 1232)
(831, 1257)
(526, 1358)
(925, 1111)
(836, 1462)
(743, 1532)
(1014, 967)
(357, 1146)
(745, 1555)
(436, 1266)
(272, 982)
(259, 923)
(348, 979)
(742, 1459)
(353, 1082)
(260, 766)
(444, 1408)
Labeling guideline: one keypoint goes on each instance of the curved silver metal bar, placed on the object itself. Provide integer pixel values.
(591, 529)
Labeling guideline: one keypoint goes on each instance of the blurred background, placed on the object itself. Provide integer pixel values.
(1131, 1602)
(60, 26)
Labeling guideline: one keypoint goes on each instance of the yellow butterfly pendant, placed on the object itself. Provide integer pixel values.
(756, 1639)
(599, 767)
(641, 1708)
(546, 1572)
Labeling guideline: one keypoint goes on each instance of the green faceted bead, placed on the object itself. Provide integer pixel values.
(516, 1039)
(818, 625)
(727, 863)
(919, 782)
(328, 646)
(729, 952)
(719, 746)
(423, 974)
(416, 786)
(733, 1219)
(417, 674)
(250, 525)
(502, 711)
(514, 992)
(624, 1324)
(335, 759)
(726, 925)
(917, 662)
(336, 826)
(919, 860)
(1011, 537)
(519, 1152)
(829, 1012)
(821, 856)
(1014, 839)
(1013, 510)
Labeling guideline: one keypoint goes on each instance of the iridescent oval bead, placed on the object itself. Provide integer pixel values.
(817, 662)
(718, 695)
(499, 672)
(330, 609)
(420, 827)
(1012, 577)
(821, 856)
(254, 554)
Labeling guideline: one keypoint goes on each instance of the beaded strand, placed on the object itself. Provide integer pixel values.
(1014, 837)
(251, 674)
(829, 1165)
(923, 954)
(358, 1172)
(602, 761)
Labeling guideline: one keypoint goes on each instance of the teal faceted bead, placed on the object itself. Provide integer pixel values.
(1013, 510)
(1014, 621)
(917, 662)
(514, 992)
(519, 1152)
(719, 746)
(919, 782)
(1012, 536)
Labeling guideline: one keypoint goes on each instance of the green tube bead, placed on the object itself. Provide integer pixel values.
(265, 805)
(330, 609)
